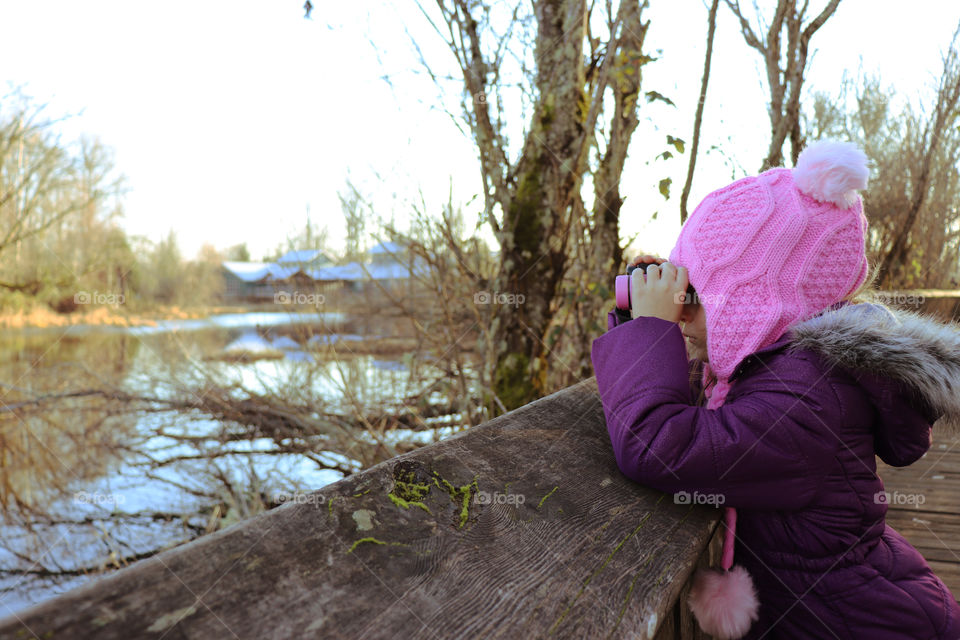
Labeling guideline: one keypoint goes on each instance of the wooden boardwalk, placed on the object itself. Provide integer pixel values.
(924, 506)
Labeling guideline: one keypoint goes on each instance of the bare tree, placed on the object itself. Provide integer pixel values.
(912, 197)
(785, 67)
(945, 113)
(534, 202)
(58, 208)
(698, 118)
(355, 212)
(39, 183)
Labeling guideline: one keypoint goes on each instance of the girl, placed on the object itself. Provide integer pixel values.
(804, 387)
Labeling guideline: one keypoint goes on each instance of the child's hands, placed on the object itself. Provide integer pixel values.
(661, 293)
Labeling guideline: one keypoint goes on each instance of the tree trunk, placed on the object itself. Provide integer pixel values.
(545, 227)
(537, 218)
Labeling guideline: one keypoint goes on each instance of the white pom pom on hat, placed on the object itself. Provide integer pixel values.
(831, 171)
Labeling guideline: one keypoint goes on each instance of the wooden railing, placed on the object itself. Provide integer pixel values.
(522, 527)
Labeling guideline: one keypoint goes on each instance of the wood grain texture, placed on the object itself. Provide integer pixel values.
(521, 527)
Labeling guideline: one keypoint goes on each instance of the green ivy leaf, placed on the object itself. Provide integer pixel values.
(665, 187)
(676, 142)
(666, 155)
(656, 95)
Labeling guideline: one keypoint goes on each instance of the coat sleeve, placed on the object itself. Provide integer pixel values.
(617, 317)
(768, 446)
(904, 433)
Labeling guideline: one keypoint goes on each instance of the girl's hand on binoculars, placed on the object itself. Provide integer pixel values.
(660, 294)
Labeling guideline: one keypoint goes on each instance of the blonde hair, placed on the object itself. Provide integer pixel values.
(866, 292)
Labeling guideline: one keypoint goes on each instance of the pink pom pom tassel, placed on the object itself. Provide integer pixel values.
(724, 602)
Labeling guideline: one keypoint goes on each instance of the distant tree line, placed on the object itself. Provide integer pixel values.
(61, 243)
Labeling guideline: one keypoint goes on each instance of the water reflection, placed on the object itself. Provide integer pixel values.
(109, 452)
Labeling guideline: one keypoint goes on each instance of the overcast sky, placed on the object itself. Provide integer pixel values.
(231, 118)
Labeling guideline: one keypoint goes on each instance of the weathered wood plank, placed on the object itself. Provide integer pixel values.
(680, 623)
(933, 525)
(565, 546)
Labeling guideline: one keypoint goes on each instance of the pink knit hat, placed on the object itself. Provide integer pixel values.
(764, 253)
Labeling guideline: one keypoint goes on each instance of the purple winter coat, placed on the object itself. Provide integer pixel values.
(792, 449)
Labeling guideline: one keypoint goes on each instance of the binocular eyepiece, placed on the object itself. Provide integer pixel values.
(622, 287)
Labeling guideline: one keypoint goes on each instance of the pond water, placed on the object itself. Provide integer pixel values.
(87, 487)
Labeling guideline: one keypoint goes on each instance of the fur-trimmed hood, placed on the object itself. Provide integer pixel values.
(874, 342)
